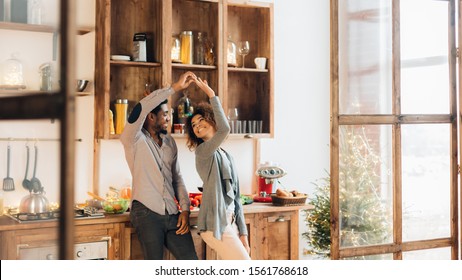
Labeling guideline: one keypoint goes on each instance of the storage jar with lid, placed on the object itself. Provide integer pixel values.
(121, 107)
(13, 73)
(187, 47)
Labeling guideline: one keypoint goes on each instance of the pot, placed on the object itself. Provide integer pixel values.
(34, 203)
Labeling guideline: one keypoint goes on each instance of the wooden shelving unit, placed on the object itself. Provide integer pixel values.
(249, 89)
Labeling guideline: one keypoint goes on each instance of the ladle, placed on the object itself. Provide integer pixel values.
(36, 185)
(26, 183)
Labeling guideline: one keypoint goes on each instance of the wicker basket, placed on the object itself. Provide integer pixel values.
(288, 201)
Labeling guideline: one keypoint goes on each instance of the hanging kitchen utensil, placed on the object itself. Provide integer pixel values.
(36, 185)
(8, 182)
(26, 183)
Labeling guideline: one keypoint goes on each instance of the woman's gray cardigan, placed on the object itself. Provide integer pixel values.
(219, 179)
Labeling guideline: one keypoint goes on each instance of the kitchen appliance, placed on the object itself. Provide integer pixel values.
(97, 250)
(267, 174)
(52, 215)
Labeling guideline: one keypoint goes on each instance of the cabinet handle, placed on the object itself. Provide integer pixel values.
(280, 219)
(108, 239)
(19, 247)
(193, 226)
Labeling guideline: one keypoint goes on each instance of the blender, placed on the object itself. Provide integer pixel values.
(267, 174)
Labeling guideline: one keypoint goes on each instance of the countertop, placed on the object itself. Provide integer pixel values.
(7, 223)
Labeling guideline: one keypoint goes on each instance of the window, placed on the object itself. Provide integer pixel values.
(394, 130)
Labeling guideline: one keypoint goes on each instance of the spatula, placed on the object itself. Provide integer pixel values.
(8, 182)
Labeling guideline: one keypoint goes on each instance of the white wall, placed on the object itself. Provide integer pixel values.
(302, 89)
(302, 111)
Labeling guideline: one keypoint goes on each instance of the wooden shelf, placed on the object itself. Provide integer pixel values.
(27, 27)
(193, 66)
(38, 28)
(135, 63)
(249, 89)
(237, 69)
(32, 105)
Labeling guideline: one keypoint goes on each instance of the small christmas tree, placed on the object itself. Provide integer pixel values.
(363, 218)
(318, 221)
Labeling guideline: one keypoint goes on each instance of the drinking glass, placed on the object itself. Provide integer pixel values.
(244, 49)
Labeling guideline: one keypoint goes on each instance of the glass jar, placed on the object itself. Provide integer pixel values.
(176, 49)
(13, 73)
(231, 52)
(187, 47)
(34, 13)
(46, 82)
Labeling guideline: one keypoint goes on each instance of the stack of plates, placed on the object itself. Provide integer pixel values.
(120, 57)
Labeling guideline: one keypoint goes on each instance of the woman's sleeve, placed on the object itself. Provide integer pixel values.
(207, 148)
(140, 111)
(239, 213)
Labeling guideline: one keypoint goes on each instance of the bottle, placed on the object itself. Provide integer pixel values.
(187, 47)
(185, 108)
(199, 48)
(209, 55)
(111, 123)
(121, 106)
(176, 48)
(231, 52)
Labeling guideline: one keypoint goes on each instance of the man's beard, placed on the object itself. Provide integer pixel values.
(163, 131)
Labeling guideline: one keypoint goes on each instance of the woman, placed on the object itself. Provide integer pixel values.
(221, 221)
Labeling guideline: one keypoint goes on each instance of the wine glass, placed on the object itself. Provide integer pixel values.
(232, 118)
(244, 49)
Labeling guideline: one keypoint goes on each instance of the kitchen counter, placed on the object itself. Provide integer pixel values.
(7, 223)
(273, 234)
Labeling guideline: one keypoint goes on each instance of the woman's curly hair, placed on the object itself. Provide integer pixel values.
(205, 110)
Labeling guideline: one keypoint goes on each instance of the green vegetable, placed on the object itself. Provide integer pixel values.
(245, 199)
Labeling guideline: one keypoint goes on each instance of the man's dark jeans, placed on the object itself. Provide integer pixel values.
(156, 231)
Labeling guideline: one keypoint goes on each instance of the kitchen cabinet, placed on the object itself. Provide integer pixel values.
(278, 236)
(248, 89)
(40, 240)
(133, 249)
(273, 234)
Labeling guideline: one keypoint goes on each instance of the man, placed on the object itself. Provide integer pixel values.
(157, 182)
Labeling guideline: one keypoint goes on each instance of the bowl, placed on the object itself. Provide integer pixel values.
(81, 85)
(115, 205)
(95, 203)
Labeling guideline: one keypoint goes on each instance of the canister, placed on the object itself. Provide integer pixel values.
(187, 47)
(139, 47)
(121, 106)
